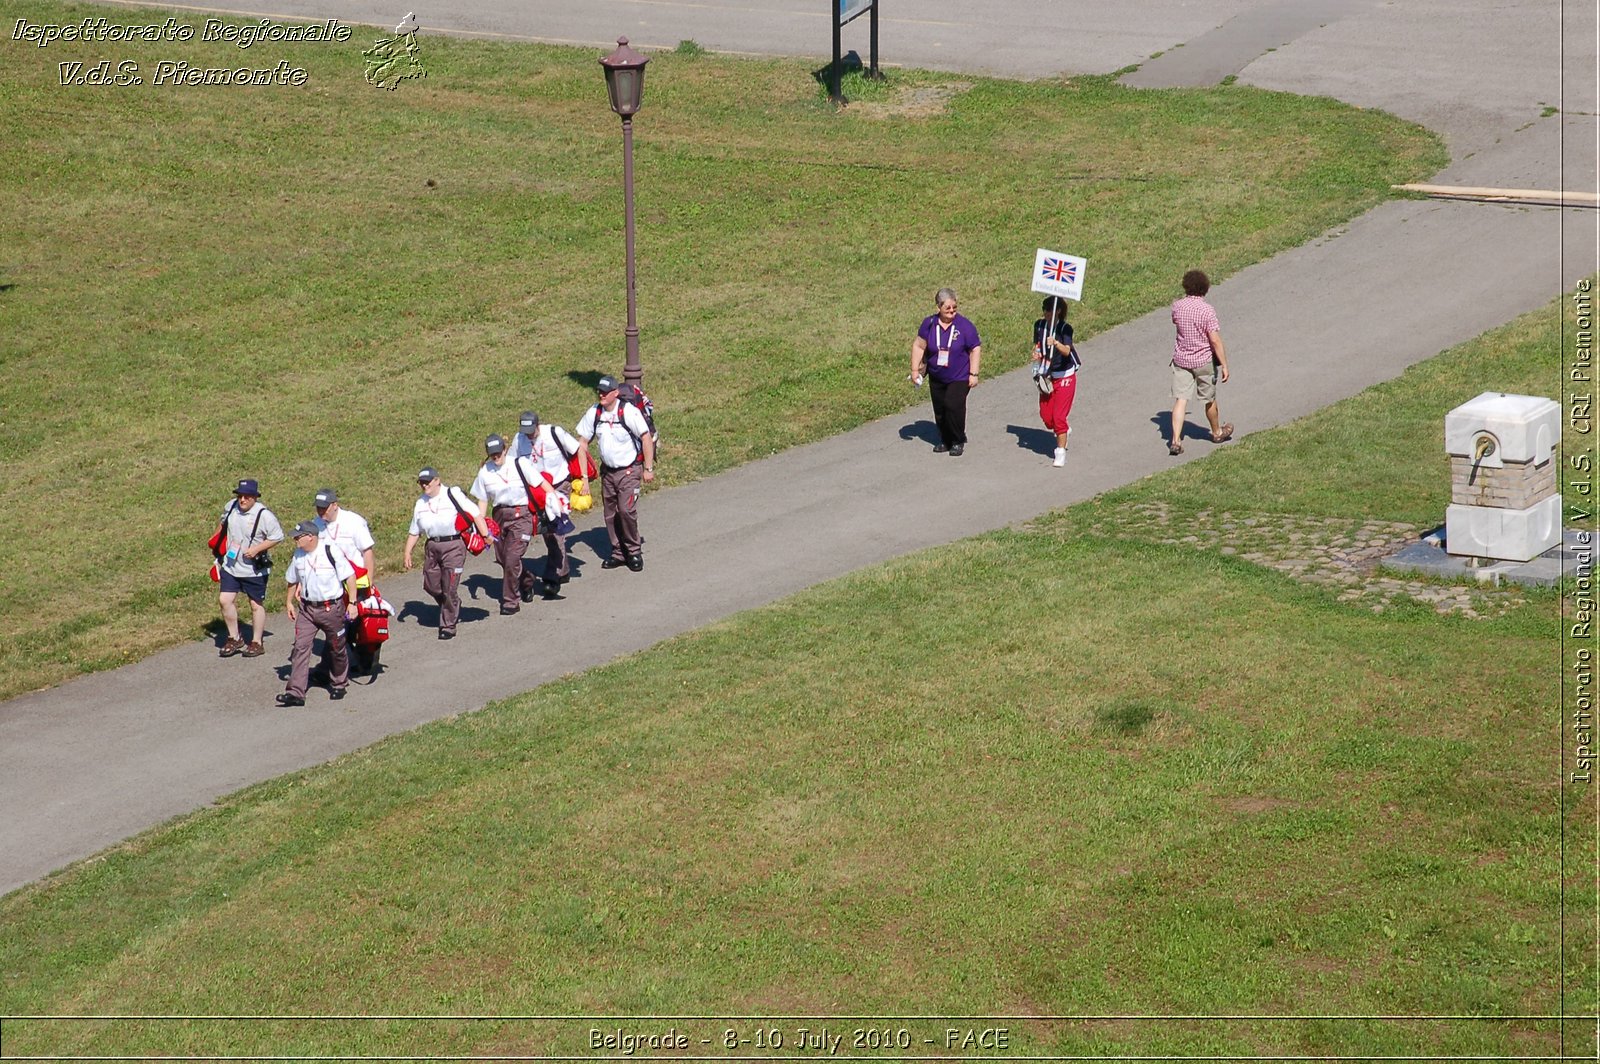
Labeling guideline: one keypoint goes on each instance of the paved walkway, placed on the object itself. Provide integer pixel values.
(105, 756)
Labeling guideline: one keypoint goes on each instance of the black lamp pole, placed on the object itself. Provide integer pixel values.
(625, 85)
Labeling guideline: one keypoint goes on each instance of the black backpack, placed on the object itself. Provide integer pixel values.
(630, 393)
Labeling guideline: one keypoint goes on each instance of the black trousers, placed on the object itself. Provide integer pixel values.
(949, 410)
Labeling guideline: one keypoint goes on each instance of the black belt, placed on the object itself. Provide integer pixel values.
(507, 506)
(443, 539)
(616, 468)
(321, 603)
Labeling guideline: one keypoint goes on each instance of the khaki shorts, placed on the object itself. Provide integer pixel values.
(1197, 383)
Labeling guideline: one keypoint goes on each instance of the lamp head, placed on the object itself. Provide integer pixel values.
(625, 78)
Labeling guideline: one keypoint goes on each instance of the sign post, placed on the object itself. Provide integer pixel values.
(843, 11)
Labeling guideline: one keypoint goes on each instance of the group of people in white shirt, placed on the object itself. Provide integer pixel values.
(524, 487)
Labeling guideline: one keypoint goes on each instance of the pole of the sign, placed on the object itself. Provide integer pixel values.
(876, 74)
(835, 88)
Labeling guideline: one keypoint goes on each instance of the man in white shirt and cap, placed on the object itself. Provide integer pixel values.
(627, 461)
(322, 598)
(553, 452)
(445, 555)
(500, 490)
(349, 532)
(346, 530)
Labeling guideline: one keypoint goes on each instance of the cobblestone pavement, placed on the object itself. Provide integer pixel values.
(1338, 553)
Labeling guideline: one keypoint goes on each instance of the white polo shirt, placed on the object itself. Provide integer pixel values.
(529, 469)
(609, 431)
(436, 517)
(319, 578)
(500, 485)
(550, 452)
(348, 533)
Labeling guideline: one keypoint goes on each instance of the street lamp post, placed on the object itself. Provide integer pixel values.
(625, 85)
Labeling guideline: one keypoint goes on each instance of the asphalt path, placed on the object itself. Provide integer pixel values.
(103, 757)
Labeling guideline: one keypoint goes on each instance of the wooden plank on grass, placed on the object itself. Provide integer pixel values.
(1506, 195)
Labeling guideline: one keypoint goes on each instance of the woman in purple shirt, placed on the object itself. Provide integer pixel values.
(947, 349)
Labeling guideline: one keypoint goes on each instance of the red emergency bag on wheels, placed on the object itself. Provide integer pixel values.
(371, 626)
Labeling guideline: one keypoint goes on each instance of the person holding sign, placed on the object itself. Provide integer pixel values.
(948, 351)
(1199, 362)
(1056, 369)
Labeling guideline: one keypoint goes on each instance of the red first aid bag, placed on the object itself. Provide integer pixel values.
(470, 535)
(372, 626)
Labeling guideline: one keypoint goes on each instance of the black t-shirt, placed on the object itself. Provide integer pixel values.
(1059, 363)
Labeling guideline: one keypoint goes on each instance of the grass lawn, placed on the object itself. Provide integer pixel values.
(334, 284)
(1136, 777)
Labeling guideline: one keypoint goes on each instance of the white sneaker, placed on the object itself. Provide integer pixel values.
(1061, 457)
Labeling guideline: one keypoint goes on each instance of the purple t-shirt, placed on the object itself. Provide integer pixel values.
(958, 339)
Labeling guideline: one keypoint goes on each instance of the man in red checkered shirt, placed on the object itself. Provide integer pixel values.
(1199, 362)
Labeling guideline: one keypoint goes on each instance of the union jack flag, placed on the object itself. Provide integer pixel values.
(1060, 270)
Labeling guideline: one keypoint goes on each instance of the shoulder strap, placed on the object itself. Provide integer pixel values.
(449, 493)
(221, 538)
(329, 551)
(516, 463)
(254, 529)
(556, 439)
(622, 422)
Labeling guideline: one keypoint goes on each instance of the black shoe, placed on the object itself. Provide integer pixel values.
(956, 449)
(508, 611)
(338, 693)
(446, 635)
(612, 563)
(286, 699)
(552, 589)
(527, 593)
(939, 448)
(635, 562)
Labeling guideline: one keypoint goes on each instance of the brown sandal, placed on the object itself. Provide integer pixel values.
(1225, 435)
(1174, 448)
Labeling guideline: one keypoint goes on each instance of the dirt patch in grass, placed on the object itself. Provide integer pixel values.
(912, 101)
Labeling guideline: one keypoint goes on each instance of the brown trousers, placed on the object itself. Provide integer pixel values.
(619, 494)
(442, 562)
(516, 530)
(557, 566)
(308, 621)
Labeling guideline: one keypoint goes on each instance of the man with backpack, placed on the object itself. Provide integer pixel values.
(633, 395)
(322, 598)
(552, 453)
(627, 461)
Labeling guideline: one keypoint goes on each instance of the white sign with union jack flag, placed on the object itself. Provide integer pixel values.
(1056, 274)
